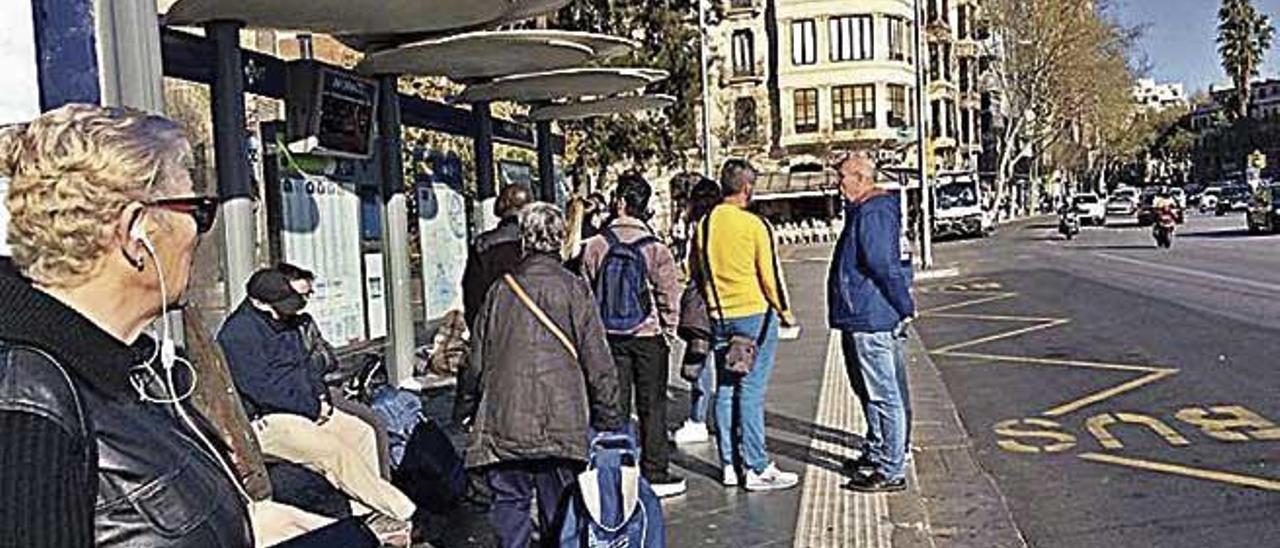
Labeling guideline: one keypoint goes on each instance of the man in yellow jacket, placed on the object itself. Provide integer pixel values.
(739, 269)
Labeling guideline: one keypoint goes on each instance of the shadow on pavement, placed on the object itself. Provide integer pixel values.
(1131, 247)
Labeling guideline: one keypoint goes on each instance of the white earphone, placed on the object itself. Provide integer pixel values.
(168, 354)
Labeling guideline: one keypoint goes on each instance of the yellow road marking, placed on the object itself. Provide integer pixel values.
(1062, 363)
(992, 318)
(1109, 393)
(1238, 480)
(1002, 336)
(974, 302)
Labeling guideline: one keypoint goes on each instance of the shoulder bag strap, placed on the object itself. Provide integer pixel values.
(705, 269)
(542, 316)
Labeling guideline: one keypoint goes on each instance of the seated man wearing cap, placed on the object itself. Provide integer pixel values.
(285, 398)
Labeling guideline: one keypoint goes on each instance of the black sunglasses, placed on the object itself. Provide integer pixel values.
(203, 209)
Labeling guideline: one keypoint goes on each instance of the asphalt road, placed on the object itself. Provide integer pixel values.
(1120, 395)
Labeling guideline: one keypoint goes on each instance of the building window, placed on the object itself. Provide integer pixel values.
(741, 4)
(962, 22)
(854, 107)
(899, 116)
(804, 42)
(946, 61)
(806, 110)
(852, 38)
(744, 116)
(935, 66)
(936, 129)
(899, 30)
(966, 133)
(744, 53)
(965, 79)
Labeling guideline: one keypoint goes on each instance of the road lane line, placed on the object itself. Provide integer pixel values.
(1255, 284)
(1230, 478)
(831, 517)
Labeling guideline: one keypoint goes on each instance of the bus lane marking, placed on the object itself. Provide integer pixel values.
(1227, 423)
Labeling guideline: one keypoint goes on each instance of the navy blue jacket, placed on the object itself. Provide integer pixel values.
(868, 290)
(270, 365)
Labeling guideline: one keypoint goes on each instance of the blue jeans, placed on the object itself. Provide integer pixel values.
(748, 392)
(701, 392)
(877, 368)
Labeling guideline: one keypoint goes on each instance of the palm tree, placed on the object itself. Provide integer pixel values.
(1244, 36)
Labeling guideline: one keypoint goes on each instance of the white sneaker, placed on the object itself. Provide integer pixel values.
(669, 487)
(771, 479)
(730, 476)
(692, 432)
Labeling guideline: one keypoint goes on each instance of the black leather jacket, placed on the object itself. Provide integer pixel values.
(156, 485)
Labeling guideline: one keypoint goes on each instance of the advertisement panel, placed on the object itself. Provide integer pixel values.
(442, 229)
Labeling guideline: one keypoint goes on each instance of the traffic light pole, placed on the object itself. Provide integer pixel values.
(926, 189)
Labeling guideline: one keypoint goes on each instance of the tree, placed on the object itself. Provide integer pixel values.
(1244, 36)
(669, 39)
(1061, 69)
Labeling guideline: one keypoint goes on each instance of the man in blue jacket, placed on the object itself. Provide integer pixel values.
(286, 399)
(869, 301)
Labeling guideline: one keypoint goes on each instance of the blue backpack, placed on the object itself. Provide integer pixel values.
(612, 506)
(622, 284)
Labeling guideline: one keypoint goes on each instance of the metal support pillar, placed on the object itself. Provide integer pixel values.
(485, 175)
(395, 235)
(708, 167)
(546, 164)
(132, 73)
(235, 185)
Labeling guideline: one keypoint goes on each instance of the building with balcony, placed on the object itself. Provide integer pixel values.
(794, 80)
(1156, 96)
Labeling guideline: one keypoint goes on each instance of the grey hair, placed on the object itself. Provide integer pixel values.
(863, 162)
(542, 228)
(735, 176)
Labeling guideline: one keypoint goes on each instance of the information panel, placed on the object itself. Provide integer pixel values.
(321, 232)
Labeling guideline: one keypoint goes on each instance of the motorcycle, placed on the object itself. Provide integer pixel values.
(1164, 227)
(1069, 222)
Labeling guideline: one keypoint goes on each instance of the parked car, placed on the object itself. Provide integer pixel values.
(1147, 210)
(1233, 198)
(1264, 210)
(1091, 207)
(1208, 200)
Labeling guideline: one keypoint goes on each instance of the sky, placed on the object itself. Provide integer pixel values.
(1179, 39)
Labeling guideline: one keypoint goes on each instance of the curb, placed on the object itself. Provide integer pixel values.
(963, 507)
(936, 274)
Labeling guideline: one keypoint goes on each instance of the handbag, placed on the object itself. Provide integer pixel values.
(740, 358)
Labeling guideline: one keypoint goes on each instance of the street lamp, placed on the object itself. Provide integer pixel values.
(703, 32)
(926, 190)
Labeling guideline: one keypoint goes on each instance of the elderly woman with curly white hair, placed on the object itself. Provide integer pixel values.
(104, 221)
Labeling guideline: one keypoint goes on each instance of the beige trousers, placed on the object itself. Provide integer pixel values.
(344, 449)
(274, 523)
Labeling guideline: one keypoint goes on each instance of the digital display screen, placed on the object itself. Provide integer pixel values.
(346, 110)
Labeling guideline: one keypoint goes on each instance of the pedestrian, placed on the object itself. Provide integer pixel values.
(541, 373)
(637, 289)
(869, 301)
(104, 222)
(702, 199)
(322, 355)
(291, 410)
(746, 298)
(495, 252)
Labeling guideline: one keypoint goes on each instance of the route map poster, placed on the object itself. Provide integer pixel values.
(442, 231)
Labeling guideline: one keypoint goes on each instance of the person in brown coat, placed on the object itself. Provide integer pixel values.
(541, 373)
